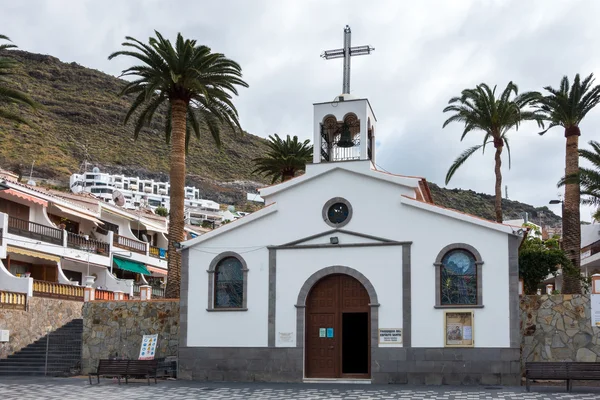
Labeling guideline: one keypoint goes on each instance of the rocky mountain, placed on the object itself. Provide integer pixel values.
(82, 121)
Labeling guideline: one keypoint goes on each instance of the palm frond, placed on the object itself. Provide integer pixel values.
(460, 160)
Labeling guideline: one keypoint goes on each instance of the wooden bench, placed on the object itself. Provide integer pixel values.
(128, 369)
(142, 369)
(582, 371)
(112, 368)
(567, 371)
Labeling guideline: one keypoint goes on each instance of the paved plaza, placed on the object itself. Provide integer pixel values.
(78, 389)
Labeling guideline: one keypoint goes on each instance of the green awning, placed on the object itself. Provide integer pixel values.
(132, 266)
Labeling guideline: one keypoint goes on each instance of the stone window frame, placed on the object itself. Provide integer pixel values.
(438, 276)
(331, 202)
(211, 282)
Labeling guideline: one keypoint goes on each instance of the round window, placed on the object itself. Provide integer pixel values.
(337, 212)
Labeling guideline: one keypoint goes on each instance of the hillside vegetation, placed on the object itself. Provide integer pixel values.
(82, 120)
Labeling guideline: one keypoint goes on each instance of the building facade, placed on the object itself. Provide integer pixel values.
(351, 273)
(52, 243)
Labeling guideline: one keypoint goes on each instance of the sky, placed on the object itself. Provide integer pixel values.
(426, 52)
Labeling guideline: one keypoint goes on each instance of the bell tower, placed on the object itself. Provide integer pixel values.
(344, 129)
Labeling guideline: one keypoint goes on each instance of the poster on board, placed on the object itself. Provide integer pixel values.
(595, 305)
(148, 348)
(458, 329)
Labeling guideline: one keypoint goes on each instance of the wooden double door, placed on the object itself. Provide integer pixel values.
(337, 335)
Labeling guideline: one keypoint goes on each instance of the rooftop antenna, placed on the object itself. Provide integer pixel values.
(31, 181)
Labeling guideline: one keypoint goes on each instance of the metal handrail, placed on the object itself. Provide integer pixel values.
(75, 241)
(34, 230)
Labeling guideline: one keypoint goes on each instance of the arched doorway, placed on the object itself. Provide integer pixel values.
(337, 329)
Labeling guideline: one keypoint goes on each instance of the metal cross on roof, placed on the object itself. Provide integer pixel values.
(346, 53)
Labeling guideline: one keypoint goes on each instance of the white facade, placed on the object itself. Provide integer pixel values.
(391, 242)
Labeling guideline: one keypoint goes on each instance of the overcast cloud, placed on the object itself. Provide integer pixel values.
(426, 52)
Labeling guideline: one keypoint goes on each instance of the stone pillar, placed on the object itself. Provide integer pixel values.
(119, 295)
(145, 292)
(89, 293)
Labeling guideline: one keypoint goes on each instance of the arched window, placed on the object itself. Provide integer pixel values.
(458, 278)
(227, 286)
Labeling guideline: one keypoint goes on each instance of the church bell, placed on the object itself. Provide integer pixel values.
(345, 137)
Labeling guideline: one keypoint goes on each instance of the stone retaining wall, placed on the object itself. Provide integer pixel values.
(115, 329)
(43, 315)
(558, 328)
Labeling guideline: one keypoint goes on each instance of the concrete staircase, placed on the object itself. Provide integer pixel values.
(56, 354)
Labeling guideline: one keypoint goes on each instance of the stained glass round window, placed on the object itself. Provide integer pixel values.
(338, 213)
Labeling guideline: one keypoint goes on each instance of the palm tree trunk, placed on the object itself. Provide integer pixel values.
(571, 231)
(498, 172)
(287, 174)
(176, 212)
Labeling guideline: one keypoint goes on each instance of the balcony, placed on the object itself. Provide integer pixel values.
(79, 242)
(129, 244)
(157, 293)
(104, 295)
(57, 290)
(158, 252)
(35, 231)
(14, 301)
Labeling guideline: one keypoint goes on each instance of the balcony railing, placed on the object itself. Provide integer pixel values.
(57, 290)
(156, 292)
(75, 241)
(129, 244)
(32, 230)
(14, 301)
(104, 295)
(159, 252)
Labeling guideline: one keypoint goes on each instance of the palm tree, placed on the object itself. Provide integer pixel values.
(195, 86)
(479, 110)
(588, 179)
(10, 96)
(566, 107)
(284, 158)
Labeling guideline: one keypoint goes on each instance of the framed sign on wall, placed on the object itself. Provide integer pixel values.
(458, 329)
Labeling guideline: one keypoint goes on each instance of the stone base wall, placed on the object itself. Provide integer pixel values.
(558, 328)
(115, 329)
(416, 366)
(43, 315)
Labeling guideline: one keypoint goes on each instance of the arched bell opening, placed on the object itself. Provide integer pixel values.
(340, 140)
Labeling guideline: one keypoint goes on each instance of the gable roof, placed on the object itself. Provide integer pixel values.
(449, 212)
(415, 183)
(263, 212)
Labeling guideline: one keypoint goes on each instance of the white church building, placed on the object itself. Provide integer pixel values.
(350, 273)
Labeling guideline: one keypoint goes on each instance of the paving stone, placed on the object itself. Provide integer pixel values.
(77, 388)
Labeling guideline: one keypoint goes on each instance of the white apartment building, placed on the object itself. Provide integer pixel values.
(136, 192)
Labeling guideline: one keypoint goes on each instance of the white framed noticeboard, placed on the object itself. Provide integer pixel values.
(390, 336)
(148, 348)
(595, 306)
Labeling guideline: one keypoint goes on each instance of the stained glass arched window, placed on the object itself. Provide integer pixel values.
(229, 283)
(458, 280)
